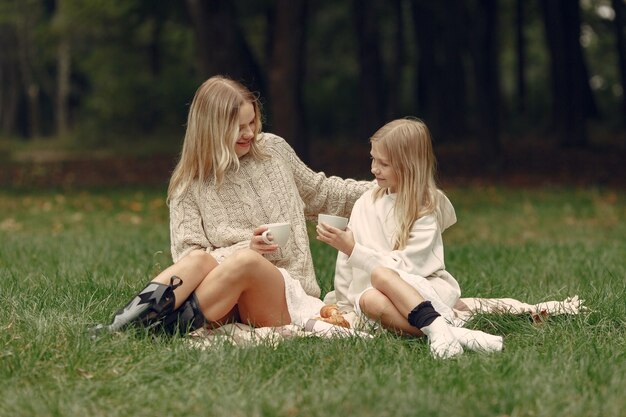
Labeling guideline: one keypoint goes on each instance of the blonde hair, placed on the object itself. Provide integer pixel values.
(408, 146)
(212, 129)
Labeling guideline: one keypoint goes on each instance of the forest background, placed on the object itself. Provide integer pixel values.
(528, 90)
(526, 103)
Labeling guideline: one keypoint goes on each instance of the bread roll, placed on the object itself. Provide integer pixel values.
(330, 314)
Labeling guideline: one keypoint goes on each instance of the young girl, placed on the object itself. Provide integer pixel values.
(390, 265)
(230, 180)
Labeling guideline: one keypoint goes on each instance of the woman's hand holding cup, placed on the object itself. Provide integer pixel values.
(268, 238)
(258, 243)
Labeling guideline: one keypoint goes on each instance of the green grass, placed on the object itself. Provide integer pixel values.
(68, 261)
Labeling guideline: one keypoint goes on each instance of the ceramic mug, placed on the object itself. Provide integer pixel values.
(279, 233)
(334, 221)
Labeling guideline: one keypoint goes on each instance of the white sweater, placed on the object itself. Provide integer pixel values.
(373, 224)
(279, 188)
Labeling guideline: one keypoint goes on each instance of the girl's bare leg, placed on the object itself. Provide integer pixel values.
(251, 282)
(443, 344)
(377, 306)
(192, 269)
(403, 296)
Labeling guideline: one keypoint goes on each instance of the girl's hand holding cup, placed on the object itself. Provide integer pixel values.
(330, 230)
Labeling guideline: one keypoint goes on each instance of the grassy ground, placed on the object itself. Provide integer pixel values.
(67, 261)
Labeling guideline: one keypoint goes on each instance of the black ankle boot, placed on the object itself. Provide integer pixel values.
(147, 308)
(187, 318)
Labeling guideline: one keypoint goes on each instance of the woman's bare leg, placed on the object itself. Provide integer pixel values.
(192, 270)
(377, 306)
(158, 299)
(251, 282)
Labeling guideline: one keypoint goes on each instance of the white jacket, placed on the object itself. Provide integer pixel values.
(374, 226)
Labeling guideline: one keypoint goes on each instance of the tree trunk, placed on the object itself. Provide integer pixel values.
(562, 25)
(619, 24)
(154, 47)
(423, 15)
(63, 85)
(453, 89)
(398, 61)
(286, 73)
(440, 31)
(520, 53)
(371, 87)
(61, 24)
(485, 58)
(9, 79)
(222, 48)
(158, 13)
(30, 86)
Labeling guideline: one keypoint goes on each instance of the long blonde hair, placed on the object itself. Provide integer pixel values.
(212, 129)
(408, 146)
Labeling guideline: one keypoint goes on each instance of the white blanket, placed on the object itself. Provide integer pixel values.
(243, 335)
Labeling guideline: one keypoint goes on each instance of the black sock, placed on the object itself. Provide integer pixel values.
(422, 315)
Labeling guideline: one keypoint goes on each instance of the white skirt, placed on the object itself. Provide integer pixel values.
(301, 306)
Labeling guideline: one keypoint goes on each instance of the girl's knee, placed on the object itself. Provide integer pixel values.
(373, 303)
(380, 275)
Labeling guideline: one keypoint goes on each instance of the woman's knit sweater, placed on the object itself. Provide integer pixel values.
(278, 188)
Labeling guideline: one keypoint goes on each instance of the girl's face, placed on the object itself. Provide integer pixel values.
(382, 170)
(246, 129)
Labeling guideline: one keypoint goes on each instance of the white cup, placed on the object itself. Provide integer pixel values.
(279, 231)
(334, 221)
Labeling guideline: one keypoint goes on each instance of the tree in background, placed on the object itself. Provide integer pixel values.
(27, 19)
(487, 74)
(124, 69)
(398, 59)
(9, 70)
(62, 24)
(441, 40)
(619, 24)
(286, 72)
(371, 90)
(520, 57)
(144, 87)
(221, 47)
(570, 85)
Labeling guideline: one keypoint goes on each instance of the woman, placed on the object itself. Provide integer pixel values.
(230, 179)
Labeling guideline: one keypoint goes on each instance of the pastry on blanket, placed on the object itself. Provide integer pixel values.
(329, 310)
(330, 314)
(337, 320)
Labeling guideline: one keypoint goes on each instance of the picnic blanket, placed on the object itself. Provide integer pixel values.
(468, 307)
(239, 334)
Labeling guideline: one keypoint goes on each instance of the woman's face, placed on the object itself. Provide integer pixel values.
(382, 170)
(246, 129)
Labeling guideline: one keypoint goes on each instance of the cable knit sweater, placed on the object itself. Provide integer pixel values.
(279, 188)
